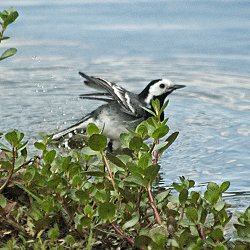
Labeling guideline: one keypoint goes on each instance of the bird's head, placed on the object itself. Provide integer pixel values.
(158, 89)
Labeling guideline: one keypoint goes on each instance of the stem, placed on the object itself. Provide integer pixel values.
(10, 221)
(109, 170)
(152, 147)
(152, 202)
(156, 156)
(122, 234)
(182, 213)
(139, 198)
(11, 171)
(201, 232)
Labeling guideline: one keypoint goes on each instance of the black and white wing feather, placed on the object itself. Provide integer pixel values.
(121, 95)
(106, 97)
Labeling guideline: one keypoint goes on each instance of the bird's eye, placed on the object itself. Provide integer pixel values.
(162, 86)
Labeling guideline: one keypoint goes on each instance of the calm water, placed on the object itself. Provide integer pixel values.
(205, 45)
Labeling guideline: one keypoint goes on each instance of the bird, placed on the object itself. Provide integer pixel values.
(123, 110)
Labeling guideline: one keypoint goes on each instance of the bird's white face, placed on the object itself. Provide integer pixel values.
(158, 88)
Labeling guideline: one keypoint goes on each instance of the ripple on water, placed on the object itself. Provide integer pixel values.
(211, 113)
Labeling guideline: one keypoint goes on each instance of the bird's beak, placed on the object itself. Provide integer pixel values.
(178, 86)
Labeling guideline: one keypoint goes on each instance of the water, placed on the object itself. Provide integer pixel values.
(205, 45)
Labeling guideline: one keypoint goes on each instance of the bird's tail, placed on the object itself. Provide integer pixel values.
(79, 127)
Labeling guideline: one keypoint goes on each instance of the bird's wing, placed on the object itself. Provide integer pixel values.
(106, 97)
(121, 95)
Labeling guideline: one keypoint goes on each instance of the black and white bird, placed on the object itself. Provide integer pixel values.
(123, 109)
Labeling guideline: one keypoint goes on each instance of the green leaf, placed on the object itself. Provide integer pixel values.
(142, 130)
(142, 241)
(40, 145)
(88, 151)
(97, 142)
(125, 139)
(135, 143)
(3, 201)
(115, 160)
(102, 196)
(131, 222)
(11, 17)
(69, 239)
(160, 132)
(169, 141)
(145, 160)
(50, 156)
(38, 199)
(243, 231)
(194, 196)
(92, 129)
(156, 105)
(7, 53)
(164, 106)
(106, 211)
(212, 193)
(149, 111)
(224, 186)
(22, 146)
(151, 172)
(159, 234)
(66, 162)
(219, 205)
(162, 196)
(183, 196)
(220, 246)
(191, 183)
(5, 148)
(192, 214)
(53, 233)
(5, 38)
(136, 179)
(19, 161)
(12, 138)
(217, 233)
(177, 186)
(82, 195)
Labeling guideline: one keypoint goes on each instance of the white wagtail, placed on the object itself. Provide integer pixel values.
(123, 110)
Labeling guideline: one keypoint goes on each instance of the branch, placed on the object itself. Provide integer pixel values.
(109, 170)
(11, 171)
(201, 232)
(152, 202)
(122, 234)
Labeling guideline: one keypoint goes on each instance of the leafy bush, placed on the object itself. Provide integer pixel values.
(6, 18)
(93, 199)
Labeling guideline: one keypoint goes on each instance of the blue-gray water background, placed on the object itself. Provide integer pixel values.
(203, 44)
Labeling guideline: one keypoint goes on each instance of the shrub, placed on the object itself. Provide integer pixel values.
(93, 199)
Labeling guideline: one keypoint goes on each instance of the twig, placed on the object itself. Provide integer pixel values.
(152, 147)
(122, 234)
(156, 156)
(11, 171)
(109, 170)
(11, 222)
(201, 232)
(182, 213)
(139, 198)
(152, 202)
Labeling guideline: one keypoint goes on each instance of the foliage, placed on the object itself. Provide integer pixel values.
(94, 199)
(6, 18)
